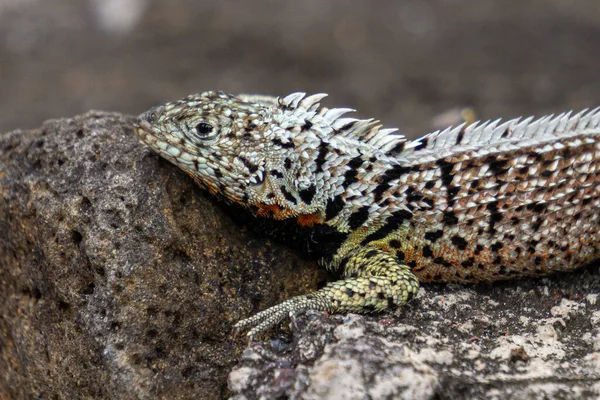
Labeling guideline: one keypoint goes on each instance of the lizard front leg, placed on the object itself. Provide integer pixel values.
(374, 281)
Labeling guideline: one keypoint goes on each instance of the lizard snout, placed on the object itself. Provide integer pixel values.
(151, 116)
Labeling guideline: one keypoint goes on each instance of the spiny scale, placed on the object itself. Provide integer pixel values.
(493, 200)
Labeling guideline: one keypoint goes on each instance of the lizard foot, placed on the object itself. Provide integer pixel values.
(290, 308)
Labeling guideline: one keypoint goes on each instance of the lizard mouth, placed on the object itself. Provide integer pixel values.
(143, 129)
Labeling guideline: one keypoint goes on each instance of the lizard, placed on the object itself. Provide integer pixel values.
(479, 203)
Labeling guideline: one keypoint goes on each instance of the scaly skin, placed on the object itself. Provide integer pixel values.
(480, 203)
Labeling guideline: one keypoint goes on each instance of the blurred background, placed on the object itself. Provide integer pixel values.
(403, 62)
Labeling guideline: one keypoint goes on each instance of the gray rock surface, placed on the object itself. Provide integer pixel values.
(536, 339)
(118, 278)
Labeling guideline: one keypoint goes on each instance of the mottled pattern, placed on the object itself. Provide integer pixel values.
(479, 203)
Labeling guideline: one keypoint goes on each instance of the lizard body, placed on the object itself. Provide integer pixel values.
(484, 202)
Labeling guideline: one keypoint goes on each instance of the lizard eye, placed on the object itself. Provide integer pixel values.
(204, 130)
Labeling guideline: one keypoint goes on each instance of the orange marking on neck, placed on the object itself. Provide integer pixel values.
(273, 211)
(309, 219)
(268, 210)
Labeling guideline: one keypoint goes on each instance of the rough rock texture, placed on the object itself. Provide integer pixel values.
(118, 277)
(522, 340)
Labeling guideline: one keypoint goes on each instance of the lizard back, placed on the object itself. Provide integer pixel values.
(479, 203)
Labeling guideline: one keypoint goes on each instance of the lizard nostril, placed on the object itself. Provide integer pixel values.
(152, 115)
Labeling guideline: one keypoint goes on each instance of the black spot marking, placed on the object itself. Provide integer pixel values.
(251, 167)
(369, 308)
(391, 224)
(307, 125)
(496, 246)
(379, 190)
(498, 167)
(478, 249)
(348, 126)
(397, 148)
(460, 136)
(308, 194)
(429, 185)
(536, 225)
(218, 173)
(349, 292)
(434, 236)
(395, 244)
(414, 196)
(468, 263)
(320, 160)
(427, 252)
(453, 191)
(276, 174)
(278, 142)
(450, 218)
(393, 173)
(288, 196)
(333, 207)
(422, 145)
(442, 262)
(429, 202)
(459, 242)
(371, 253)
(446, 171)
(358, 218)
(400, 256)
(287, 163)
(352, 173)
(495, 216)
(537, 260)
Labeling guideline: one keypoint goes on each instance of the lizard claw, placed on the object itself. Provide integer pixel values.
(272, 316)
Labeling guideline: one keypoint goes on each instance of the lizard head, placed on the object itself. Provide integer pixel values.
(239, 147)
(281, 157)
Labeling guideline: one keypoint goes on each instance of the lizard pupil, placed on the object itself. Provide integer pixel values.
(204, 129)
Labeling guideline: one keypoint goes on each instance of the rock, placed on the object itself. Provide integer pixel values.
(119, 277)
(524, 340)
